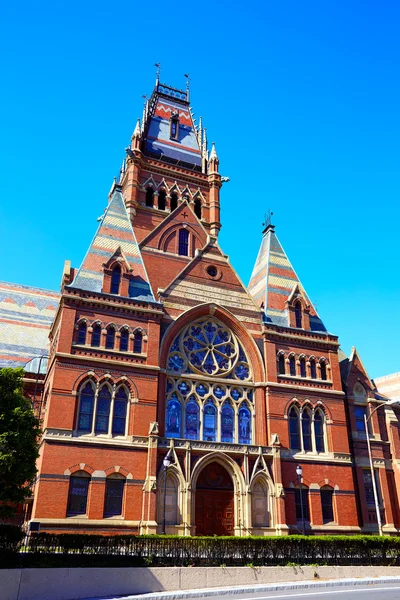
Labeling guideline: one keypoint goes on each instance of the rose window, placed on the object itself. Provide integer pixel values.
(198, 407)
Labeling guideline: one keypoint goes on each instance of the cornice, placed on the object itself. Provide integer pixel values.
(122, 305)
(300, 389)
(107, 361)
(312, 337)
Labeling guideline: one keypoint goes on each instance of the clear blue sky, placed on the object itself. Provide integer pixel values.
(301, 98)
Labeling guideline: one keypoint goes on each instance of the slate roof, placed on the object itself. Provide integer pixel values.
(164, 101)
(114, 235)
(273, 280)
(26, 315)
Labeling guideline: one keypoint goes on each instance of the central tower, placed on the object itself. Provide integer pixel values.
(168, 164)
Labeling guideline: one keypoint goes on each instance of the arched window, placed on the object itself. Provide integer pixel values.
(183, 248)
(327, 504)
(81, 338)
(86, 407)
(306, 429)
(138, 342)
(209, 385)
(124, 340)
(110, 338)
(96, 336)
(197, 208)
(244, 425)
(174, 201)
(227, 423)
(78, 493)
(313, 369)
(259, 501)
(115, 280)
(161, 199)
(319, 431)
(119, 412)
(303, 372)
(149, 197)
(298, 315)
(304, 497)
(323, 370)
(294, 429)
(192, 424)
(173, 418)
(114, 496)
(210, 422)
(281, 364)
(103, 409)
(292, 365)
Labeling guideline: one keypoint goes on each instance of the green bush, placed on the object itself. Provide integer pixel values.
(10, 537)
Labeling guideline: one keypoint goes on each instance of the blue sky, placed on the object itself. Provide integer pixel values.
(302, 100)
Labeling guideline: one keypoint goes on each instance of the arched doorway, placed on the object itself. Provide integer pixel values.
(214, 504)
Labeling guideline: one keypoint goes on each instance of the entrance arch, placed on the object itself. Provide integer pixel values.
(214, 504)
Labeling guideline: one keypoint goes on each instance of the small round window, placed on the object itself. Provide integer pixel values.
(212, 271)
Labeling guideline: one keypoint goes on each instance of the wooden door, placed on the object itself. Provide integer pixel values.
(214, 513)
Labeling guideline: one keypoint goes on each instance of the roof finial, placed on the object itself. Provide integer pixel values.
(267, 221)
(187, 86)
(158, 65)
(213, 154)
(136, 133)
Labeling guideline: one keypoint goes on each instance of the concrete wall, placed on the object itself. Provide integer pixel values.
(71, 584)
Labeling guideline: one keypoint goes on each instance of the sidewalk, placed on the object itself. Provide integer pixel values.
(239, 590)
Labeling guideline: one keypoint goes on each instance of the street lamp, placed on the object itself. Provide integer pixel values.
(299, 472)
(166, 462)
(371, 466)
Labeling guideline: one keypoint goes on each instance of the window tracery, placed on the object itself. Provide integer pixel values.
(307, 429)
(198, 407)
(102, 409)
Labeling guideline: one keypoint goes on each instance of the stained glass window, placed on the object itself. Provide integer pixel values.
(173, 418)
(119, 414)
(323, 370)
(244, 425)
(86, 406)
(227, 423)
(208, 349)
(103, 410)
(313, 369)
(319, 431)
(294, 429)
(210, 423)
(138, 342)
(192, 420)
(306, 427)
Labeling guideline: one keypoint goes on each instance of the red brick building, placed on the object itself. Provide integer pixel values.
(157, 348)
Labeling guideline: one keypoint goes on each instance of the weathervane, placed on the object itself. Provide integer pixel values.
(267, 219)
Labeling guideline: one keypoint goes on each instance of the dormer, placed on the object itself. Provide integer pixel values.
(298, 309)
(117, 274)
(174, 125)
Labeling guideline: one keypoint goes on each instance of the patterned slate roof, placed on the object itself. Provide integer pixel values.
(26, 315)
(114, 235)
(163, 103)
(273, 280)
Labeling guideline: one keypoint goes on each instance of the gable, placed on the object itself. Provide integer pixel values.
(209, 277)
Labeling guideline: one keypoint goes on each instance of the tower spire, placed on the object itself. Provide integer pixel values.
(158, 65)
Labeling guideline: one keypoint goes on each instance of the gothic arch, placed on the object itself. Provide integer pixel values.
(174, 229)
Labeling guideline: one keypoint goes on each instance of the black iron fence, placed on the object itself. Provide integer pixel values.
(46, 550)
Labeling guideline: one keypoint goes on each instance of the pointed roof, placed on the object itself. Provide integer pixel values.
(164, 103)
(114, 237)
(274, 281)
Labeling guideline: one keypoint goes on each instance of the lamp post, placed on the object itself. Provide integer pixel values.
(371, 466)
(166, 463)
(299, 472)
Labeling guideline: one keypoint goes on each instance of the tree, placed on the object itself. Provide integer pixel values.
(19, 441)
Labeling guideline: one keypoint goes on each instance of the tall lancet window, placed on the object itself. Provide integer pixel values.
(298, 315)
(183, 248)
(210, 388)
(115, 280)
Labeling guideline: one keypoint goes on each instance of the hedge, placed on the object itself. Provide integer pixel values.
(79, 550)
